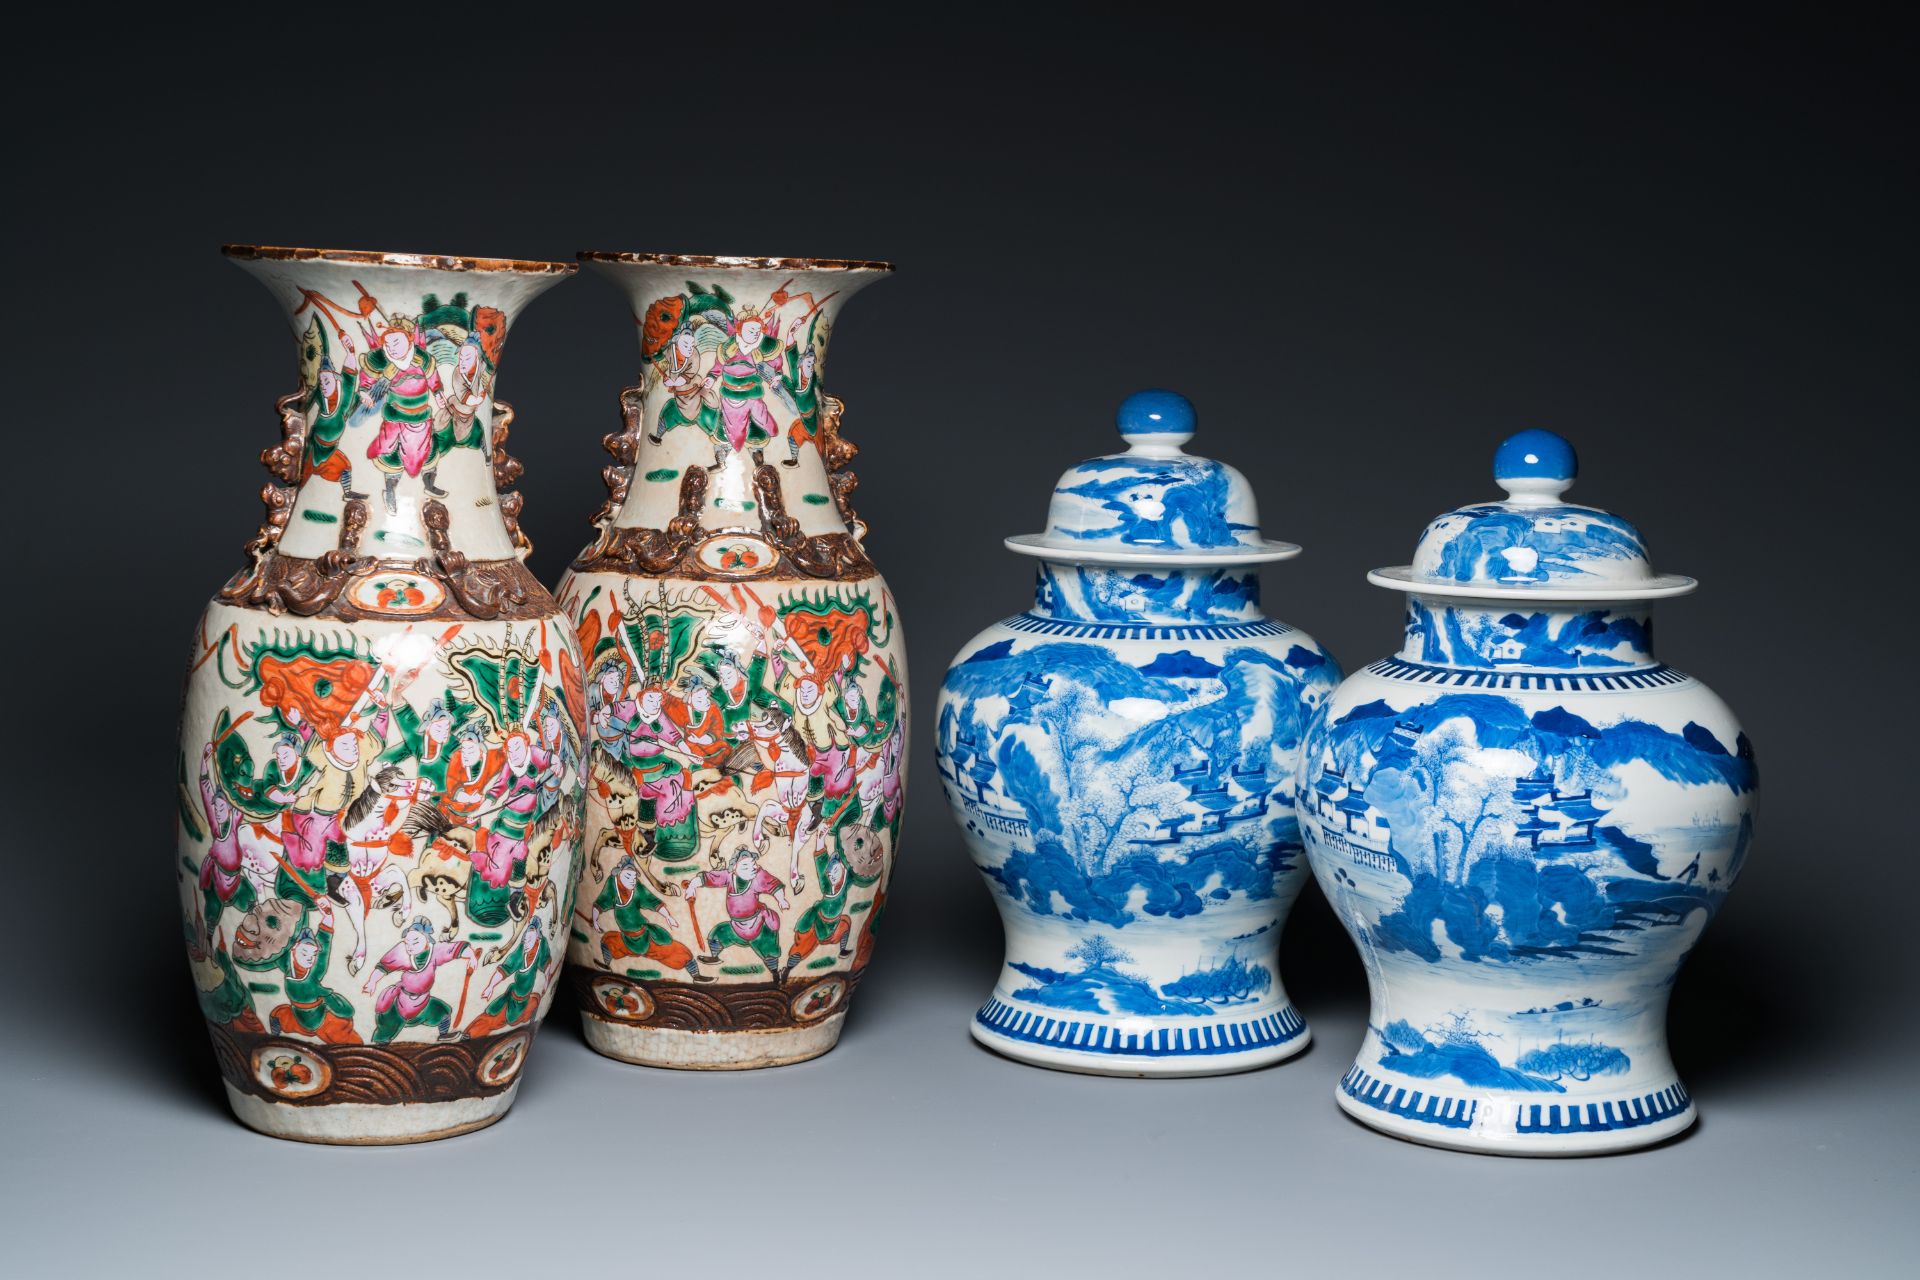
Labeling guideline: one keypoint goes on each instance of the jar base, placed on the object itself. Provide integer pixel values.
(361, 1124)
(1140, 1047)
(1514, 1124)
(679, 1050)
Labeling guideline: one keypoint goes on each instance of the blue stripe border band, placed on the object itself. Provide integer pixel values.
(1204, 1038)
(1039, 625)
(1598, 1116)
(1471, 678)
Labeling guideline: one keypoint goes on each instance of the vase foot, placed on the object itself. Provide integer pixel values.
(359, 1124)
(1144, 1047)
(1428, 1112)
(743, 1050)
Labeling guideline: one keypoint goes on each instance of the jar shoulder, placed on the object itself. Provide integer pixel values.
(1259, 635)
(1671, 702)
(1172, 667)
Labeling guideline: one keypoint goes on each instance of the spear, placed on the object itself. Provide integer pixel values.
(460, 1014)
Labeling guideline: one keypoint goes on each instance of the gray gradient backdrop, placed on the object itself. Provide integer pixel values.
(1367, 246)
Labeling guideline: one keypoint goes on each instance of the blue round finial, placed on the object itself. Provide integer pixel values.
(1535, 465)
(1155, 417)
(1535, 453)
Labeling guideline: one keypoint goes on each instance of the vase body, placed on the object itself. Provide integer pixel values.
(1122, 760)
(1525, 820)
(381, 769)
(746, 682)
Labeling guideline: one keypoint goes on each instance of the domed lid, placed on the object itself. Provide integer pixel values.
(1533, 544)
(1155, 503)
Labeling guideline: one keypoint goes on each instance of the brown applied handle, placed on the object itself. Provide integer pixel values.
(837, 452)
(506, 471)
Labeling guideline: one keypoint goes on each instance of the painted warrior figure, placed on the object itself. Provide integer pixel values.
(826, 921)
(468, 389)
(691, 401)
(332, 405)
(336, 774)
(620, 920)
(702, 725)
(750, 922)
(501, 858)
(312, 1008)
(428, 741)
(223, 878)
(876, 734)
(408, 386)
(408, 1001)
(740, 377)
(554, 759)
(524, 973)
(737, 691)
(803, 389)
(652, 751)
(610, 711)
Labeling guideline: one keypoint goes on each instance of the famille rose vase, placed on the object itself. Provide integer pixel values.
(1124, 760)
(381, 770)
(746, 681)
(1525, 819)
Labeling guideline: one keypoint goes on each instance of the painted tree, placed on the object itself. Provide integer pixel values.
(1578, 1060)
(1222, 984)
(1453, 804)
(1096, 952)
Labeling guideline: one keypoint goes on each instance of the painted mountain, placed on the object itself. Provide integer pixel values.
(1500, 822)
(1175, 777)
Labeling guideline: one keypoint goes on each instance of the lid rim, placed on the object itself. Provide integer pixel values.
(1035, 545)
(1659, 587)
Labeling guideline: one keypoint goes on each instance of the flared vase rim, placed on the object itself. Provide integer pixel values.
(375, 258)
(731, 262)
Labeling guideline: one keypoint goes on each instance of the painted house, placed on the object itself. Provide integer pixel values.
(1551, 820)
(1348, 821)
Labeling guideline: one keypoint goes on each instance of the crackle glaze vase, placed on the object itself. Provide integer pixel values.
(381, 774)
(1525, 819)
(746, 680)
(1123, 760)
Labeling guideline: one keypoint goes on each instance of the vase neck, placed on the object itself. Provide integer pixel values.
(1509, 635)
(731, 461)
(386, 493)
(442, 482)
(1137, 594)
(734, 488)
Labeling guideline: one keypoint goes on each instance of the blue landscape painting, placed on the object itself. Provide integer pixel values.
(1087, 593)
(1098, 984)
(1501, 543)
(1521, 861)
(1119, 788)
(1594, 639)
(1457, 1051)
(1148, 501)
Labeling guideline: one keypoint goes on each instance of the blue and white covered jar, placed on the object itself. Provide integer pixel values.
(1124, 760)
(1525, 819)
